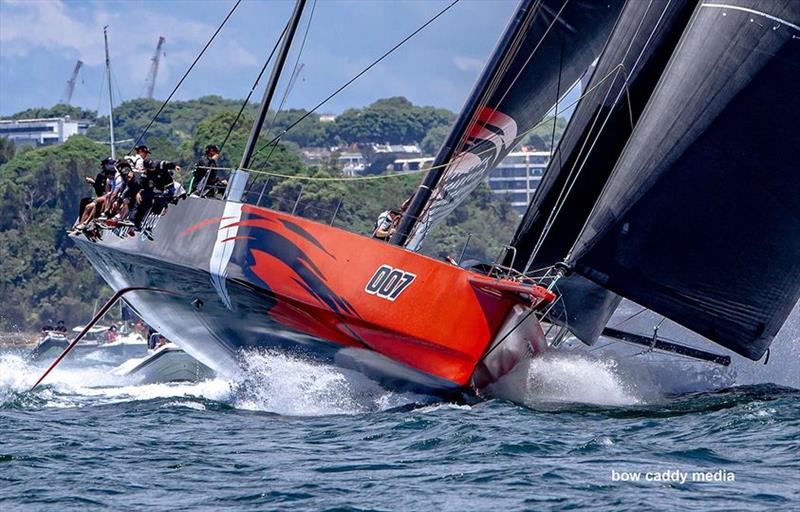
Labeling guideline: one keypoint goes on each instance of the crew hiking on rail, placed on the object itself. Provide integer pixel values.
(127, 190)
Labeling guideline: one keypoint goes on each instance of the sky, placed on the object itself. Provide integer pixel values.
(40, 41)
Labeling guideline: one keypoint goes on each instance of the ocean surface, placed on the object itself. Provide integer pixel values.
(571, 432)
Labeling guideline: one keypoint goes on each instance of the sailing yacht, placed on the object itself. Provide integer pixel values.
(673, 185)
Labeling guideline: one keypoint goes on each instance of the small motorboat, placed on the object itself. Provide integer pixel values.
(166, 363)
(94, 348)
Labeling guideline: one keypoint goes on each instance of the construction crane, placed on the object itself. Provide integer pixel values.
(71, 83)
(150, 83)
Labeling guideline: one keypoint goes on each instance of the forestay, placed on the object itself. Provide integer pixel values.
(547, 47)
(613, 100)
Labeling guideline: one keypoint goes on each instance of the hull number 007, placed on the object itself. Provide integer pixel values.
(388, 283)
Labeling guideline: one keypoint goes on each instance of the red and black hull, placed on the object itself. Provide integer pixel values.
(248, 277)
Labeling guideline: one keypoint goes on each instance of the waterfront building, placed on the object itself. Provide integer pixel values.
(41, 132)
(351, 163)
(517, 177)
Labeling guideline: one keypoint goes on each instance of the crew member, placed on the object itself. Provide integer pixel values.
(386, 224)
(140, 154)
(102, 186)
(205, 182)
(156, 181)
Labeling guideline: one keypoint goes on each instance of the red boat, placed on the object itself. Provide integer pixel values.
(604, 223)
(252, 277)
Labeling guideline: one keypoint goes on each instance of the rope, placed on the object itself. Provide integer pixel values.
(252, 89)
(319, 178)
(584, 157)
(419, 171)
(605, 121)
(291, 80)
(186, 74)
(362, 72)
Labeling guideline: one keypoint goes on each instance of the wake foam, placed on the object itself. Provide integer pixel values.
(294, 386)
(15, 377)
(566, 377)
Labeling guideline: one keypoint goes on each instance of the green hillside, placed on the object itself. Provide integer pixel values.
(43, 275)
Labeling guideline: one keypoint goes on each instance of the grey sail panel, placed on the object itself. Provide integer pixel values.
(700, 220)
(624, 79)
(550, 49)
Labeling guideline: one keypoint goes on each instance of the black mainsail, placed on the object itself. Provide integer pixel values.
(700, 220)
(548, 46)
(673, 184)
(612, 102)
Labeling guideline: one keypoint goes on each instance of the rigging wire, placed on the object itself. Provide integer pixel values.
(291, 80)
(100, 93)
(252, 89)
(571, 180)
(624, 90)
(186, 74)
(116, 85)
(427, 169)
(359, 75)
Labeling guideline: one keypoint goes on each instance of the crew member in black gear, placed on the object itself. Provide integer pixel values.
(205, 182)
(101, 185)
(100, 181)
(126, 196)
(156, 183)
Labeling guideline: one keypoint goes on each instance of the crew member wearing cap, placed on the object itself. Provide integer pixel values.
(102, 188)
(205, 182)
(386, 224)
(157, 180)
(140, 154)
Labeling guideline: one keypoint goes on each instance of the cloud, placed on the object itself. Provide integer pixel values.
(468, 63)
(76, 28)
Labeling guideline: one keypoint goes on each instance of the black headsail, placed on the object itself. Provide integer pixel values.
(700, 220)
(547, 46)
(611, 103)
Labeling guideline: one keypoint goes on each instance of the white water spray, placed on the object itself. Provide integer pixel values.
(291, 385)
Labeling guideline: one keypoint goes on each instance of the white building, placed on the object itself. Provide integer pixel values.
(517, 177)
(351, 163)
(410, 164)
(41, 132)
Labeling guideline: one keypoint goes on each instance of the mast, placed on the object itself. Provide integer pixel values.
(272, 84)
(110, 97)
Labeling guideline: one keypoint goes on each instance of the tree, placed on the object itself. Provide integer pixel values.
(41, 274)
(434, 138)
(7, 150)
(393, 120)
(60, 110)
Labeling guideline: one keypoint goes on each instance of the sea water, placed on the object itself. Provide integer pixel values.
(570, 431)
